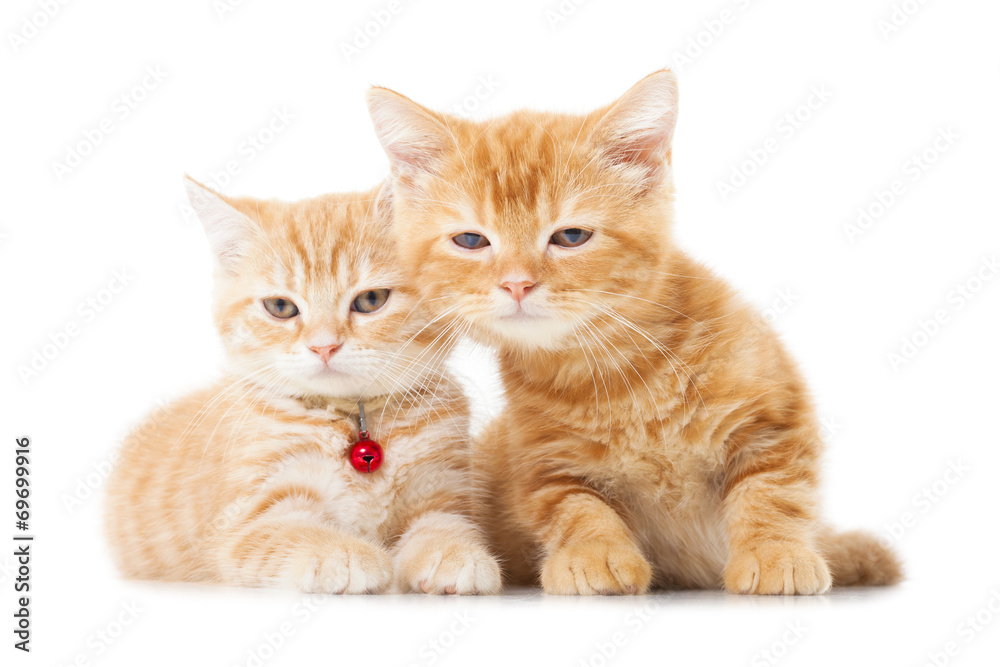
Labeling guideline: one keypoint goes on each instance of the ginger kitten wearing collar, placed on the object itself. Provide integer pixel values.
(259, 480)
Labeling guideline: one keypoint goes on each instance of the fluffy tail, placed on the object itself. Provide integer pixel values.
(857, 559)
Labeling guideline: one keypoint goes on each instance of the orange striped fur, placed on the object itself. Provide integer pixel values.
(248, 482)
(657, 433)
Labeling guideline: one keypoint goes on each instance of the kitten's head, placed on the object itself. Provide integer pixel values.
(529, 226)
(308, 298)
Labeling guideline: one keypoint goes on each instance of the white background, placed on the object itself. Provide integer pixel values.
(892, 432)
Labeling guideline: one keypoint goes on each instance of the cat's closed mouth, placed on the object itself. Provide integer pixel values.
(520, 315)
(327, 371)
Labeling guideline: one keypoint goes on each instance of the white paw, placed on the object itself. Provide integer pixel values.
(356, 567)
(451, 568)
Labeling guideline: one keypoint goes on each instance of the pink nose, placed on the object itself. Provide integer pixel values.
(325, 351)
(518, 290)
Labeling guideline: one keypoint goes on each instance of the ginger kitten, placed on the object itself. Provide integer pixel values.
(249, 482)
(657, 432)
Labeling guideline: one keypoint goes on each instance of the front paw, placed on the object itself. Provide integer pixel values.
(598, 567)
(447, 567)
(355, 566)
(777, 568)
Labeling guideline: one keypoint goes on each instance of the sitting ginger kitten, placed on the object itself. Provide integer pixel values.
(251, 482)
(656, 431)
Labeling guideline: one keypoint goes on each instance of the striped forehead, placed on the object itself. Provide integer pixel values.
(516, 167)
(323, 250)
(523, 166)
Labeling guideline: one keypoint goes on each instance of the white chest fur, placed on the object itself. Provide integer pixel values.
(301, 448)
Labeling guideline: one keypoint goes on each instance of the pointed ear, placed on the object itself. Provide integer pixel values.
(635, 134)
(413, 137)
(228, 230)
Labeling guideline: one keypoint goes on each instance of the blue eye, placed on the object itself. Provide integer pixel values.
(283, 309)
(470, 241)
(370, 301)
(572, 237)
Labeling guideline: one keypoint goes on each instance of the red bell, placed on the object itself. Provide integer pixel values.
(366, 455)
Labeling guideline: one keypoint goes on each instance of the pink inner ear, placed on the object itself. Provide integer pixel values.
(410, 155)
(413, 148)
(411, 137)
(637, 131)
(641, 148)
(644, 155)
